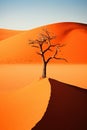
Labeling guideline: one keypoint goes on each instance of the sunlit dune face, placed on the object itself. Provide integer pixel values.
(17, 50)
(76, 47)
(21, 109)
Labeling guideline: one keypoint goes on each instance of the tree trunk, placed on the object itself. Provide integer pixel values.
(44, 70)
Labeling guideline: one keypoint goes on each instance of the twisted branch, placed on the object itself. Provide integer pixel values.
(45, 38)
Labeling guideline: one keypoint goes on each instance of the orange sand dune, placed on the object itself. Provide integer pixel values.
(6, 33)
(74, 35)
(67, 108)
(64, 106)
(22, 108)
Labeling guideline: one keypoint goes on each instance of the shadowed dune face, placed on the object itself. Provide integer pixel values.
(5, 33)
(21, 109)
(67, 108)
(15, 49)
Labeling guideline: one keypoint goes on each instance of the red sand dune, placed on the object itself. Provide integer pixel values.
(6, 33)
(15, 49)
(67, 108)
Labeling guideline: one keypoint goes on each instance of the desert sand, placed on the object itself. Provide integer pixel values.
(25, 99)
(67, 108)
(17, 76)
(45, 104)
(6, 33)
(21, 109)
(16, 49)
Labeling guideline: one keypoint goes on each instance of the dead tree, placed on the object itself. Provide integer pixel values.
(46, 38)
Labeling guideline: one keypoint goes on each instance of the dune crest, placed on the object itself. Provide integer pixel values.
(67, 108)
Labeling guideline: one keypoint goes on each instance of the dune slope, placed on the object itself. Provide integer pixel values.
(6, 33)
(67, 108)
(22, 108)
(16, 49)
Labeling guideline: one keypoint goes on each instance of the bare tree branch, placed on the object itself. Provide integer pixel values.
(39, 53)
(56, 52)
(31, 42)
(54, 56)
(43, 39)
(46, 36)
(60, 59)
(35, 46)
(48, 48)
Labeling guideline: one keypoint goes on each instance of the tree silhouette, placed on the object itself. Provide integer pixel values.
(44, 43)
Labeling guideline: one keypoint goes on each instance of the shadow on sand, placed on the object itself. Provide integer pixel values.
(67, 108)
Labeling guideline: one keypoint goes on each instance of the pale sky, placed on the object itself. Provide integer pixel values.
(28, 14)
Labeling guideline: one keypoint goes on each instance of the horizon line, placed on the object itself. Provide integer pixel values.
(20, 29)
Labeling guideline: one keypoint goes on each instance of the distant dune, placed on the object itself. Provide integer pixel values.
(67, 108)
(6, 33)
(15, 49)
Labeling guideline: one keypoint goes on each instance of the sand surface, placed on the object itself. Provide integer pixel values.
(21, 109)
(24, 97)
(66, 109)
(18, 76)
